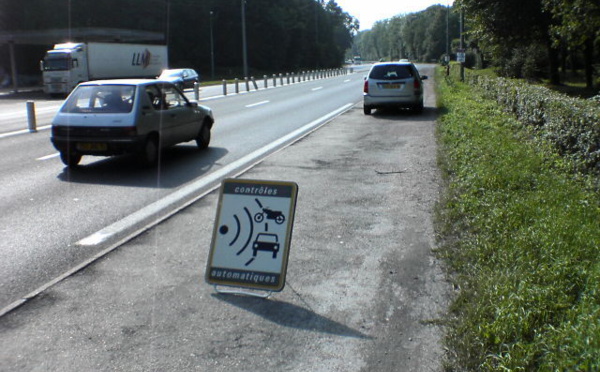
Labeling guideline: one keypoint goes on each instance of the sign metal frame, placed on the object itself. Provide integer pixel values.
(252, 235)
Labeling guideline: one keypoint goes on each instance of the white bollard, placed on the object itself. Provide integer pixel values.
(31, 122)
(196, 91)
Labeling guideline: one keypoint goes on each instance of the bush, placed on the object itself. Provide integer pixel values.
(520, 235)
(524, 62)
(572, 125)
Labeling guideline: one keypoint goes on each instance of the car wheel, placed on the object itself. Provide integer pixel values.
(149, 154)
(203, 139)
(70, 159)
(367, 110)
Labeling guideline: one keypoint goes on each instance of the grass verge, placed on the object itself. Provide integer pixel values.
(521, 238)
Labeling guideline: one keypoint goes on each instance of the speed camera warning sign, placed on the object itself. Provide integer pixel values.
(252, 234)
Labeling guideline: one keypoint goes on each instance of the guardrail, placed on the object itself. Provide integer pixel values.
(283, 79)
(287, 79)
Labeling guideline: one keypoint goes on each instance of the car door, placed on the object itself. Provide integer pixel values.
(151, 116)
(181, 122)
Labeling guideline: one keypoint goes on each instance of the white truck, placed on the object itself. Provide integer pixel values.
(69, 64)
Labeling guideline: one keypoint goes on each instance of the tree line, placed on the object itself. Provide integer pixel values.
(533, 39)
(421, 36)
(281, 35)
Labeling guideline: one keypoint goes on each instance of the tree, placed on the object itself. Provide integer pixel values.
(508, 25)
(577, 22)
(281, 35)
(418, 36)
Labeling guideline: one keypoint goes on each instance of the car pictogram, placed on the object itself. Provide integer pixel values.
(266, 242)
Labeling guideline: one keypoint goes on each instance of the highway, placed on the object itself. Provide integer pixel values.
(55, 220)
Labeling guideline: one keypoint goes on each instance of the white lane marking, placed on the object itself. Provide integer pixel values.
(347, 81)
(317, 88)
(49, 156)
(230, 170)
(23, 131)
(23, 114)
(257, 104)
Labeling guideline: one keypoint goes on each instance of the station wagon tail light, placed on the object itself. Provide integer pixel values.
(366, 87)
(417, 84)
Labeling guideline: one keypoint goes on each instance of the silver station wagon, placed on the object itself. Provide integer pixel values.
(393, 84)
(127, 116)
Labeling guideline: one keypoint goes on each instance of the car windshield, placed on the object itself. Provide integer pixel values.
(58, 62)
(170, 73)
(391, 72)
(107, 99)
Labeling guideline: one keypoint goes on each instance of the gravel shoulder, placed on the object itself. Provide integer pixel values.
(363, 289)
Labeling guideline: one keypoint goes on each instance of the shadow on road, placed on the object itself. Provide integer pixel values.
(178, 165)
(289, 315)
(429, 113)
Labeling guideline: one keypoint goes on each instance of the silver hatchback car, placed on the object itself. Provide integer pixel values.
(393, 84)
(128, 116)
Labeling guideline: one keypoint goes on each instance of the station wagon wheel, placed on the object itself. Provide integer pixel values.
(70, 159)
(203, 138)
(149, 154)
(367, 110)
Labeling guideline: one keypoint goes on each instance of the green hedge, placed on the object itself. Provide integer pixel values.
(519, 236)
(572, 125)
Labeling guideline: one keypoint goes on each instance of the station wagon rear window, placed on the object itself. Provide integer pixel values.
(108, 99)
(391, 72)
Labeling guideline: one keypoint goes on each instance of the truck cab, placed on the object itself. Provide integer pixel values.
(64, 67)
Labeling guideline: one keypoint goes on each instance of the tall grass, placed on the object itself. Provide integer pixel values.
(521, 236)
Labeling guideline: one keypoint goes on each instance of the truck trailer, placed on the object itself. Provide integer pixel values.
(69, 64)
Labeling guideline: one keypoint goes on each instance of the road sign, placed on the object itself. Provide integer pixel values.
(252, 234)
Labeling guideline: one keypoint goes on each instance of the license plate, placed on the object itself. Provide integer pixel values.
(391, 86)
(91, 146)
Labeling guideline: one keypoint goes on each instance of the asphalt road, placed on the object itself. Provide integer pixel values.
(55, 219)
(363, 289)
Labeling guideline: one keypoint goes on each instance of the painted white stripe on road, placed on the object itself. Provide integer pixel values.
(257, 104)
(23, 114)
(23, 131)
(49, 156)
(317, 88)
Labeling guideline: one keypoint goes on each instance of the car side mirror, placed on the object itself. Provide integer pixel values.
(424, 77)
(193, 104)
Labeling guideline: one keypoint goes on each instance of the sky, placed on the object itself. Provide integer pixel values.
(370, 11)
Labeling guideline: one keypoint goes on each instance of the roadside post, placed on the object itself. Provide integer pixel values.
(31, 121)
(196, 91)
(251, 236)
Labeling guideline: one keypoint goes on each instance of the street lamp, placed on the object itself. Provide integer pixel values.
(212, 49)
(168, 26)
(244, 46)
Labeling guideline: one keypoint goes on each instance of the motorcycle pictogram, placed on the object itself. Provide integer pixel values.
(271, 215)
